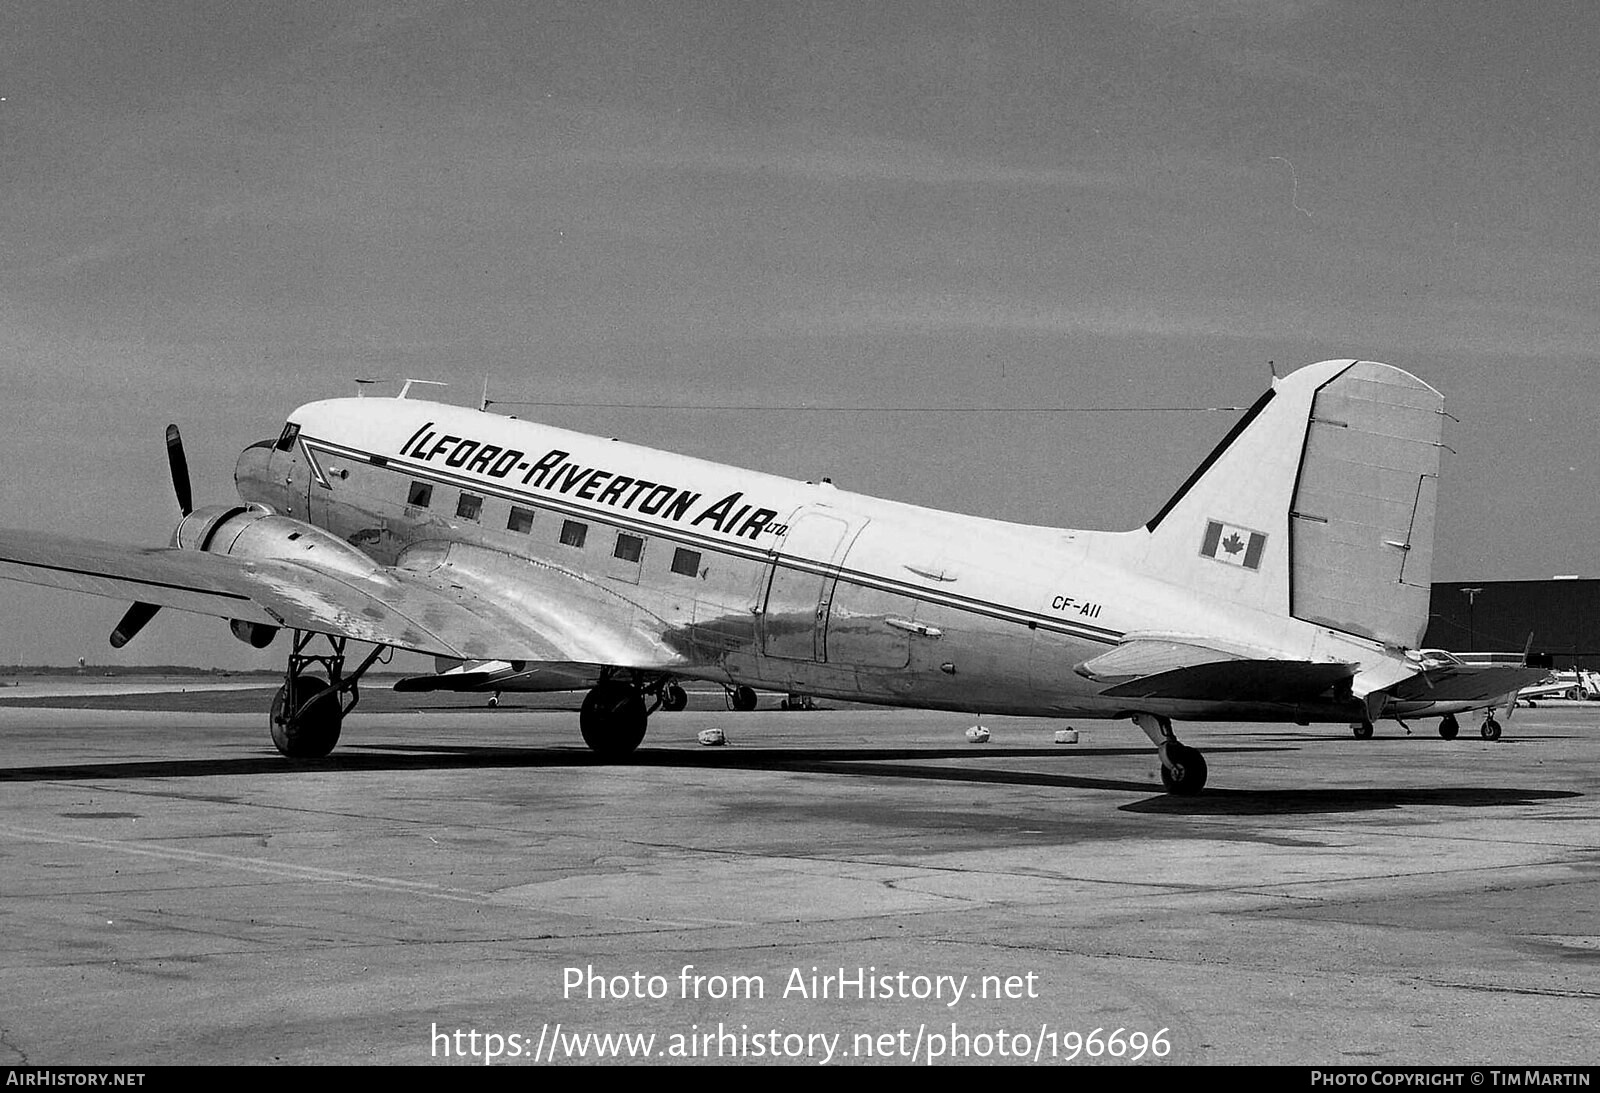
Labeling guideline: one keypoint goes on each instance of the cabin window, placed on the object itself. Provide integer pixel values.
(630, 548)
(470, 507)
(573, 533)
(286, 439)
(420, 494)
(686, 562)
(521, 520)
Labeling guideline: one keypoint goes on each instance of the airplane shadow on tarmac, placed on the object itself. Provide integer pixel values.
(897, 763)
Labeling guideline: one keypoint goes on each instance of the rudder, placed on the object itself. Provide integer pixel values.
(1318, 504)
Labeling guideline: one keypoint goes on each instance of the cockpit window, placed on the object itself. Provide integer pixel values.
(286, 439)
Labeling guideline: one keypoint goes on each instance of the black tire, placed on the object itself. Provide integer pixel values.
(744, 699)
(1449, 727)
(673, 698)
(1491, 729)
(1190, 777)
(1362, 729)
(316, 731)
(613, 720)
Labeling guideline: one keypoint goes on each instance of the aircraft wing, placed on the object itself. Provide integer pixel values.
(1181, 668)
(433, 604)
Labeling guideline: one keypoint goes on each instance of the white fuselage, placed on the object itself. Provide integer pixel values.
(742, 577)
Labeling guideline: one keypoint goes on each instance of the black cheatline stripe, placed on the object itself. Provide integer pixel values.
(630, 522)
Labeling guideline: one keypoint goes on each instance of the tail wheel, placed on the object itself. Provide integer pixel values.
(1187, 773)
(306, 718)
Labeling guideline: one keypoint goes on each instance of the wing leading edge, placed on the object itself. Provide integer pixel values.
(448, 611)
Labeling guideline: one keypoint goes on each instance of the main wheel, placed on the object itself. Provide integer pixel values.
(1491, 729)
(314, 732)
(613, 720)
(744, 699)
(1362, 729)
(1189, 773)
(1449, 726)
(673, 698)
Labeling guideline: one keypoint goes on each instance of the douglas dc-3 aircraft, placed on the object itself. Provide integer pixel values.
(1286, 580)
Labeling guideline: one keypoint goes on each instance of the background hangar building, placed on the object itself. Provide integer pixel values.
(1562, 614)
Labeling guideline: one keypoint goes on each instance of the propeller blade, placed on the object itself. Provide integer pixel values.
(132, 623)
(180, 470)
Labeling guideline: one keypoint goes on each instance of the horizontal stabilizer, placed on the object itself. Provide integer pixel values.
(1240, 681)
(1466, 683)
(1150, 656)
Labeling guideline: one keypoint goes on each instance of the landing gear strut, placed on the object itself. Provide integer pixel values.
(308, 711)
(1183, 769)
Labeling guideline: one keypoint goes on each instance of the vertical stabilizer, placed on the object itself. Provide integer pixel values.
(1319, 504)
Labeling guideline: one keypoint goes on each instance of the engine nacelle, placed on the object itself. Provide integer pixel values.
(256, 532)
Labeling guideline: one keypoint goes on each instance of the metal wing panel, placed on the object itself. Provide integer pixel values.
(383, 607)
(186, 580)
(567, 615)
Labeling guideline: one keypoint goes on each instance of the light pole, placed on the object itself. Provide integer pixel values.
(1472, 629)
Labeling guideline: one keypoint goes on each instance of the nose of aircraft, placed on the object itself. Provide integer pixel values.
(252, 474)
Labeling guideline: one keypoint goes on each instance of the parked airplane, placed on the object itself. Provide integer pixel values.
(1575, 684)
(1452, 685)
(1286, 580)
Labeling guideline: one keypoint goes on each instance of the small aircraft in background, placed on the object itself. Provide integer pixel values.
(1574, 684)
(1287, 580)
(1449, 685)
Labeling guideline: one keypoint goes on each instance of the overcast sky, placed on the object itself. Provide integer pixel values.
(214, 212)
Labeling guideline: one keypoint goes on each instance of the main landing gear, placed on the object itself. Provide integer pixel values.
(1449, 727)
(1183, 769)
(614, 715)
(308, 711)
(1491, 729)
